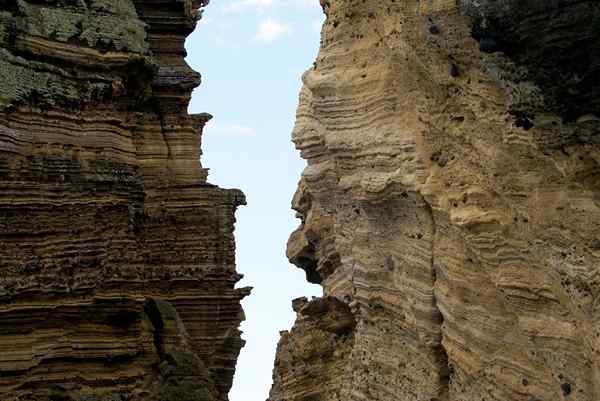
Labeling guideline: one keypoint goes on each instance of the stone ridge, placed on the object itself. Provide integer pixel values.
(117, 262)
(451, 205)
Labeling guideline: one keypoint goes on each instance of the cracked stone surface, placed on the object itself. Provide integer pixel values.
(450, 207)
(117, 270)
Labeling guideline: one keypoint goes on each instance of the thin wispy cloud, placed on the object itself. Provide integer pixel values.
(262, 5)
(269, 30)
(240, 5)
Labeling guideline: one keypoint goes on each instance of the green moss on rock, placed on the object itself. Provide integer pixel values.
(6, 25)
(20, 84)
(103, 25)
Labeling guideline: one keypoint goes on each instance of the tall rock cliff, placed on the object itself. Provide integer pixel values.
(117, 266)
(451, 204)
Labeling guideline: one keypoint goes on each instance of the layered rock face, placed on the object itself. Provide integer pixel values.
(117, 266)
(451, 205)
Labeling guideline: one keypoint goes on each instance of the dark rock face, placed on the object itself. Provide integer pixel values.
(555, 44)
(117, 268)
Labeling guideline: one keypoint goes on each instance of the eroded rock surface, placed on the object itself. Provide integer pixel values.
(452, 202)
(117, 268)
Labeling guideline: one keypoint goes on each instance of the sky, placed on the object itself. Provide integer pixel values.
(251, 54)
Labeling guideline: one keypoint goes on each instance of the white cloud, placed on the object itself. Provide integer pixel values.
(307, 3)
(239, 5)
(231, 129)
(270, 30)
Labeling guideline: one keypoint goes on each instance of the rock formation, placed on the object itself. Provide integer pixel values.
(451, 204)
(117, 266)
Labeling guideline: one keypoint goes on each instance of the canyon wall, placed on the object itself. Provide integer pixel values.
(450, 207)
(117, 270)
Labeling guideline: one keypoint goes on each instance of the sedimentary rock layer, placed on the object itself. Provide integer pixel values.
(451, 204)
(117, 269)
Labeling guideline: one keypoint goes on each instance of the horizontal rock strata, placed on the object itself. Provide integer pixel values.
(451, 203)
(117, 271)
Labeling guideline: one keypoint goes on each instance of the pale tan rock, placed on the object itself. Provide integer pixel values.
(452, 200)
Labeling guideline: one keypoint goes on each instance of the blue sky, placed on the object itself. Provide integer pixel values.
(251, 54)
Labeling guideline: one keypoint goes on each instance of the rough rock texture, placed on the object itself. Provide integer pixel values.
(117, 266)
(451, 203)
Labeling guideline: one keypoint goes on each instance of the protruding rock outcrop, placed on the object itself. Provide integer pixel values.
(117, 270)
(452, 202)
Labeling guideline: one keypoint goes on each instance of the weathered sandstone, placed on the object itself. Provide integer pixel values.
(451, 204)
(117, 268)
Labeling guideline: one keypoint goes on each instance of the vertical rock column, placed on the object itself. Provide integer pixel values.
(450, 207)
(117, 258)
